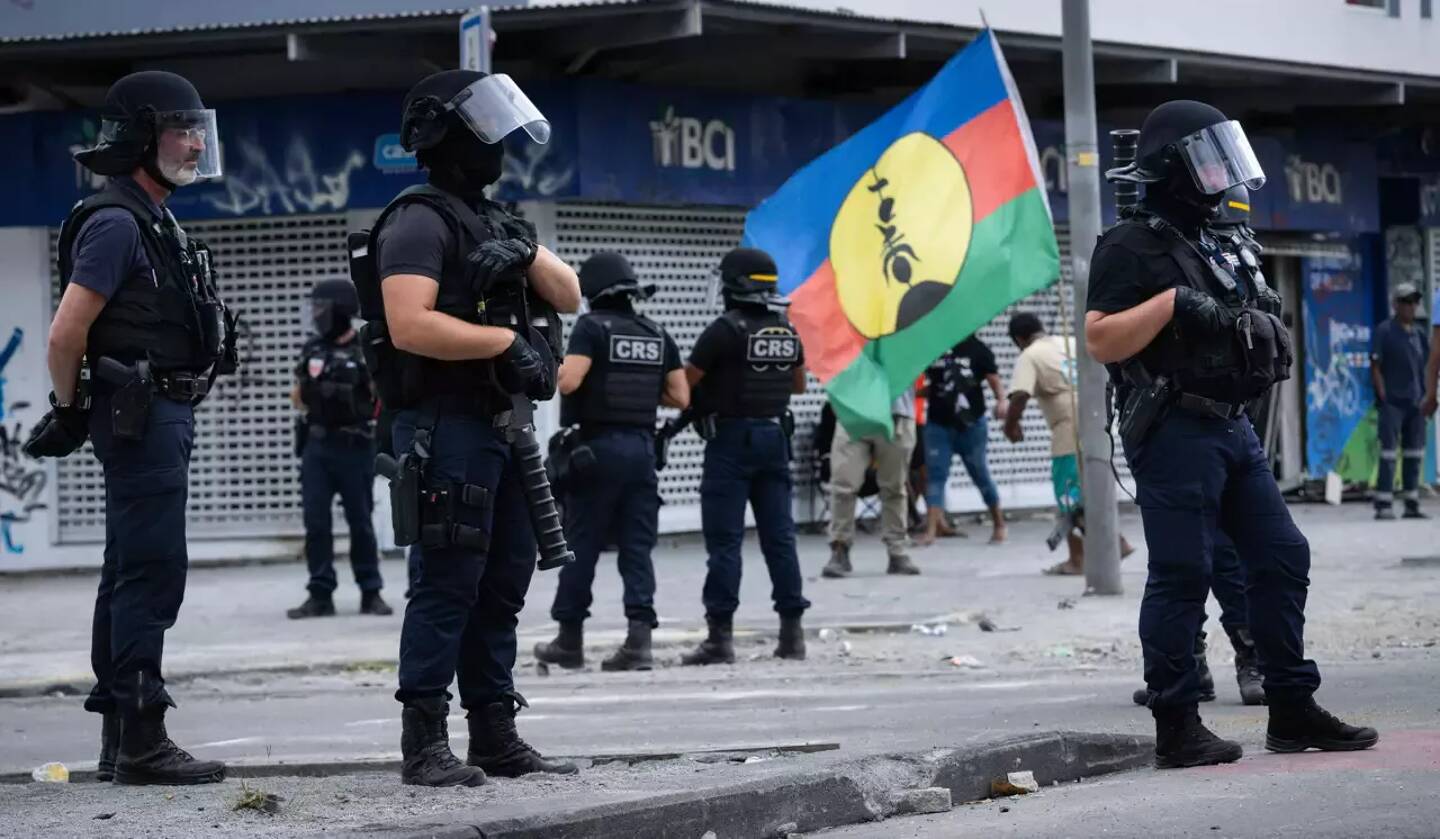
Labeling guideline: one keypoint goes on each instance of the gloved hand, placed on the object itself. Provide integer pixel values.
(60, 432)
(499, 257)
(520, 369)
(1198, 311)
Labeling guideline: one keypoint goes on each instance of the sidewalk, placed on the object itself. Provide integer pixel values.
(233, 618)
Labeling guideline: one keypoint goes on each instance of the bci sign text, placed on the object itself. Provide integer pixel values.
(691, 143)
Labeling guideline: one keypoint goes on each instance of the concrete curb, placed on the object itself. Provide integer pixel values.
(862, 790)
(243, 769)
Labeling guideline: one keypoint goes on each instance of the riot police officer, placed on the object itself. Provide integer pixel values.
(1231, 229)
(1191, 337)
(139, 308)
(750, 362)
(452, 344)
(618, 368)
(336, 438)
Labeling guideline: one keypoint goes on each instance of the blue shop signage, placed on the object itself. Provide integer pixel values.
(610, 142)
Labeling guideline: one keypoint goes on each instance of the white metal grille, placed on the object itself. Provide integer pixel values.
(677, 249)
(244, 480)
(1432, 262)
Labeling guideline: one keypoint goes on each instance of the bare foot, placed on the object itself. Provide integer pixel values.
(925, 539)
(1068, 568)
(1125, 547)
(998, 535)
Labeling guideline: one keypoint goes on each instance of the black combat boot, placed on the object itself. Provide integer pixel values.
(792, 639)
(1412, 511)
(839, 564)
(496, 747)
(148, 755)
(109, 746)
(1181, 740)
(718, 647)
(1299, 725)
(568, 648)
(1247, 667)
(1202, 669)
(426, 759)
(371, 603)
(634, 654)
(315, 606)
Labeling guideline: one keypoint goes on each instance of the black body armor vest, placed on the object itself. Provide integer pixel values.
(1233, 367)
(177, 321)
(758, 382)
(335, 385)
(625, 382)
(404, 379)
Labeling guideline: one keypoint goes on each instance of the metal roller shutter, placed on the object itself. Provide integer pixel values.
(243, 476)
(678, 248)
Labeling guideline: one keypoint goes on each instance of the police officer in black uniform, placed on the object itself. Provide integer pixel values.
(140, 310)
(1191, 337)
(449, 350)
(619, 367)
(336, 436)
(750, 362)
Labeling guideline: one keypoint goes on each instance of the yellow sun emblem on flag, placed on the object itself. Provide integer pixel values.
(901, 236)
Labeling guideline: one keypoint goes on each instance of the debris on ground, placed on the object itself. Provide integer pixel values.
(1015, 783)
(100, 817)
(845, 648)
(967, 662)
(988, 625)
(257, 800)
(1061, 652)
(1067, 603)
(51, 773)
(935, 629)
(924, 800)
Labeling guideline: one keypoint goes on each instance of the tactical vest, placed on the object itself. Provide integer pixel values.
(177, 321)
(405, 379)
(627, 377)
(950, 377)
(1233, 367)
(758, 382)
(335, 385)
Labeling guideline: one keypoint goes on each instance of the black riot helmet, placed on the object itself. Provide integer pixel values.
(608, 276)
(155, 119)
(333, 304)
(454, 121)
(1234, 208)
(748, 276)
(1185, 137)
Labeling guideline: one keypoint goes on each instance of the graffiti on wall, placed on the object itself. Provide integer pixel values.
(1338, 394)
(22, 479)
(253, 183)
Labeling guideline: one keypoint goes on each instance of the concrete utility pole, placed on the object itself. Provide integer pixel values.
(1102, 540)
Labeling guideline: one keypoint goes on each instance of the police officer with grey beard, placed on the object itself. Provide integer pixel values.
(140, 309)
(620, 366)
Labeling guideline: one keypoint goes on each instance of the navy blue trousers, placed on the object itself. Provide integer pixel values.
(748, 461)
(343, 465)
(1201, 480)
(618, 497)
(142, 580)
(460, 619)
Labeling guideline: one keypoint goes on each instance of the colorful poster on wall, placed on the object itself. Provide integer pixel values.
(1339, 399)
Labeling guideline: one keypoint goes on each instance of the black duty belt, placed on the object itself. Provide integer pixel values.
(1201, 406)
(182, 387)
(354, 434)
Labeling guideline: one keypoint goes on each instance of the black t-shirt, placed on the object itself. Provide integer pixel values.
(413, 240)
(587, 338)
(956, 396)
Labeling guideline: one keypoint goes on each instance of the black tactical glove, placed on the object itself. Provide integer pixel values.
(1198, 311)
(60, 432)
(520, 369)
(498, 258)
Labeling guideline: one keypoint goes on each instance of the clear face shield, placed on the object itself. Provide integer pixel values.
(495, 106)
(1220, 157)
(187, 146)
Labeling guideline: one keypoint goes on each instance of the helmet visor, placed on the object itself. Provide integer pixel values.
(188, 145)
(1220, 157)
(495, 106)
